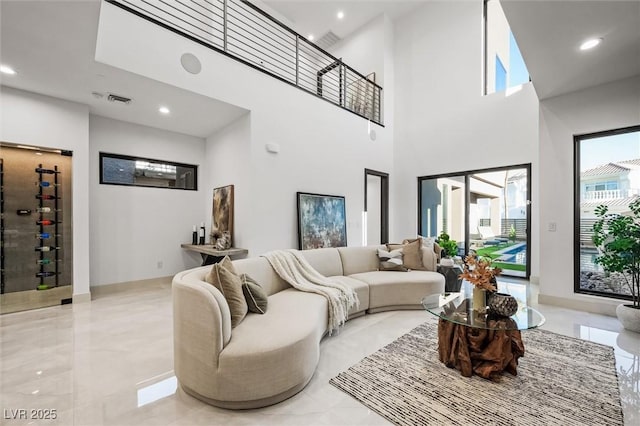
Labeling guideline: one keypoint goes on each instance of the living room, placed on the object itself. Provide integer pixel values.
(429, 62)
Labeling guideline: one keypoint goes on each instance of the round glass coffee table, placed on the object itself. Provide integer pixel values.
(475, 342)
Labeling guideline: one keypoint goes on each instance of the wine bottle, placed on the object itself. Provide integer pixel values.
(45, 261)
(46, 197)
(43, 236)
(47, 210)
(46, 274)
(46, 184)
(47, 171)
(194, 236)
(46, 222)
(47, 248)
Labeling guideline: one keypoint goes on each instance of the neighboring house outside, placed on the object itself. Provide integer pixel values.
(615, 185)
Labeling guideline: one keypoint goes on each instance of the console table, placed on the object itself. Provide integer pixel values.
(211, 255)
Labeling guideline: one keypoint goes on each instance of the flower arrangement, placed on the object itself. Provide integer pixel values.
(480, 272)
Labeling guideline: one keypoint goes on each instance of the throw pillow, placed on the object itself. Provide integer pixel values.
(391, 260)
(255, 296)
(412, 253)
(223, 277)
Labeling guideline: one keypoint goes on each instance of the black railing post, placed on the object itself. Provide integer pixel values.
(225, 24)
(346, 85)
(378, 91)
(341, 83)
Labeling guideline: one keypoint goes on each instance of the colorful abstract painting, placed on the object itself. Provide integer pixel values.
(322, 221)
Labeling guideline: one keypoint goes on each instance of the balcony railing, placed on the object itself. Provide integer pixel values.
(609, 194)
(244, 32)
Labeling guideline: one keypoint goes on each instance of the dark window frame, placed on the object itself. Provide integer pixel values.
(576, 208)
(104, 155)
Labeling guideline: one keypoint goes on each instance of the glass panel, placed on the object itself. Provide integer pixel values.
(118, 169)
(508, 68)
(498, 218)
(609, 175)
(442, 209)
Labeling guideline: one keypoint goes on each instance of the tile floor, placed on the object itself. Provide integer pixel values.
(109, 362)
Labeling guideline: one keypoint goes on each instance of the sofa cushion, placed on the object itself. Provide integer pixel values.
(260, 270)
(223, 277)
(325, 260)
(411, 253)
(280, 348)
(359, 259)
(255, 296)
(362, 290)
(391, 260)
(391, 288)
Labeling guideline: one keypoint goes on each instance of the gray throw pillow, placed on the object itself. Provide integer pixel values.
(391, 260)
(255, 296)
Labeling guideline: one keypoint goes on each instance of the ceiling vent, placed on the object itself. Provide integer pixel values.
(118, 98)
(327, 40)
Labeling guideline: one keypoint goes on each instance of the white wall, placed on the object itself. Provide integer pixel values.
(134, 228)
(33, 119)
(227, 156)
(605, 107)
(323, 149)
(442, 122)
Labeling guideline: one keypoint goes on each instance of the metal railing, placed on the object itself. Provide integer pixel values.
(244, 32)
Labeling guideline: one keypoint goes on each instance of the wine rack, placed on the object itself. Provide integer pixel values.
(48, 226)
(2, 277)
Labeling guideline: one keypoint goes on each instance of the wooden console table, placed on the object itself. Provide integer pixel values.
(210, 255)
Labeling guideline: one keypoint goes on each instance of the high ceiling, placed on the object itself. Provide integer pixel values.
(549, 34)
(51, 45)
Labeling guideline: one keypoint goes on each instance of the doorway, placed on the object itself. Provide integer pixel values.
(376, 208)
(486, 211)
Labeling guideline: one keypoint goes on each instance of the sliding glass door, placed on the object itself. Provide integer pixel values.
(485, 211)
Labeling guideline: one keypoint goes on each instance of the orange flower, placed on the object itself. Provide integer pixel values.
(479, 272)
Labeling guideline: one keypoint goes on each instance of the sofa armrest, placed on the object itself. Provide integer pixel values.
(429, 259)
(201, 328)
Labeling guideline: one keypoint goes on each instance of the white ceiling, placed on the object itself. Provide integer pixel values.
(550, 32)
(318, 17)
(51, 44)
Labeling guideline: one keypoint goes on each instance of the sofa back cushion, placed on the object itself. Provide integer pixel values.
(359, 259)
(327, 261)
(261, 271)
(429, 259)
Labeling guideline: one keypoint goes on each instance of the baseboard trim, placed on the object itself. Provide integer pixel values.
(586, 303)
(107, 289)
(81, 298)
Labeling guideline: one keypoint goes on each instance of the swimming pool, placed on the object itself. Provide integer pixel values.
(514, 254)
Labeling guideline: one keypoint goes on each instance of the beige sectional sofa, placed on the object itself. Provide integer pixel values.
(268, 358)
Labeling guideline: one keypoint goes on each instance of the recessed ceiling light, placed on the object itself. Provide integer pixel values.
(590, 44)
(5, 69)
(310, 37)
(340, 14)
(164, 110)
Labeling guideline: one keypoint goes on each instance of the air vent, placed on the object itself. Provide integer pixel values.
(327, 40)
(118, 98)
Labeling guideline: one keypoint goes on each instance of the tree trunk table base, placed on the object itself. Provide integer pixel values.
(486, 353)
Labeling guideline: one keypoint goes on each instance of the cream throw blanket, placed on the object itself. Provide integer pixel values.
(294, 269)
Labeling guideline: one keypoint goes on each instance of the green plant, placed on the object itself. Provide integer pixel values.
(449, 246)
(617, 237)
(512, 233)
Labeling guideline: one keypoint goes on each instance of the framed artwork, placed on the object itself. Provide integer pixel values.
(322, 221)
(222, 210)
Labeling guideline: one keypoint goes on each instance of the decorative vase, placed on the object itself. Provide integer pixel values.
(629, 317)
(502, 304)
(224, 242)
(479, 299)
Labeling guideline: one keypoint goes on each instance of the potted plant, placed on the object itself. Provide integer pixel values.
(449, 246)
(480, 272)
(617, 237)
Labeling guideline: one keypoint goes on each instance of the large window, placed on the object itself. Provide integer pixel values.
(117, 169)
(607, 168)
(504, 67)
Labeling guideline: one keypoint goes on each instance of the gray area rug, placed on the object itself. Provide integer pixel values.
(561, 381)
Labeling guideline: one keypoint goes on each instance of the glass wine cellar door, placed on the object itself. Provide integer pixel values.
(36, 227)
